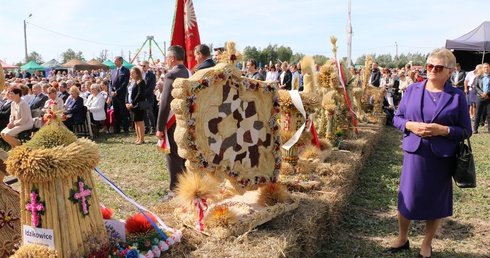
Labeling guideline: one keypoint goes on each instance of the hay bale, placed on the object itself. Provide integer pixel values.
(298, 232)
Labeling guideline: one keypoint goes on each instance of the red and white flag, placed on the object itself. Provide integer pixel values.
(185, 32)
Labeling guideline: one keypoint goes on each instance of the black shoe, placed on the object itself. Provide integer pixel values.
(421, 256)
(126, 132)
(393, 250)
(475, 132)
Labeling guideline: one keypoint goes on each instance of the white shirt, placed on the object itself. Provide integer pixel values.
(470, 78)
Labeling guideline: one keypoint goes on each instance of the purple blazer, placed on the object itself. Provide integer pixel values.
(452, 111)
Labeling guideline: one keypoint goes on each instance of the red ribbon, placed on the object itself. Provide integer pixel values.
(201, 206)
(346, 96)
(315, 140)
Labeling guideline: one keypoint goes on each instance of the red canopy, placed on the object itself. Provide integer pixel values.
(7, 66)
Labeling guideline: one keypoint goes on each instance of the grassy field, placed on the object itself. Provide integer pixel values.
(369, 223)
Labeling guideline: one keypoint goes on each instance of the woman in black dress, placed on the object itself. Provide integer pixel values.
(138, 95)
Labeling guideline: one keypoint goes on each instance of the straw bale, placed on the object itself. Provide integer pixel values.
(296, 233)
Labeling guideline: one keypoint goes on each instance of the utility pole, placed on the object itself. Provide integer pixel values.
(396, 44)
(349, 38)
(25, 35)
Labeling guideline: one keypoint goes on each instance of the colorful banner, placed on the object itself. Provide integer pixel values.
(185, 32)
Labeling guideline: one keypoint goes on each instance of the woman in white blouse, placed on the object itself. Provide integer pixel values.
(20, 118)
(95, 103)
(405, 81)
(387, 82)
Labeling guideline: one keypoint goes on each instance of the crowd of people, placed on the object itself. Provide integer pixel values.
(396, 81)
(432, 113)
(106, 96)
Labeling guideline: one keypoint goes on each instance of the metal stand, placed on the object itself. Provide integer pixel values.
(149, 40)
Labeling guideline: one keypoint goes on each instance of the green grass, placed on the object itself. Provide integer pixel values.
(138, 170)
(369, 222)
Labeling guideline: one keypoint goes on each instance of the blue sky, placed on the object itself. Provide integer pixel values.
(306, 26)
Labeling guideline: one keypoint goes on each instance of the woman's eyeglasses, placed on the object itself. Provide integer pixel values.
(436, 68)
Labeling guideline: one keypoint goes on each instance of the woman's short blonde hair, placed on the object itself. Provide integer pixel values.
(444, 54)
(74, 89)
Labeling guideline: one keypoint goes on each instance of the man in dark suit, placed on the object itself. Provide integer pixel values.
(166, 118)
(203, 57)
(151, 82)
(63, 93)
(26, 74)
(457, 78)
(5, 112)
(37, 102)
(119, 90)
(387, 108)
(375, 75)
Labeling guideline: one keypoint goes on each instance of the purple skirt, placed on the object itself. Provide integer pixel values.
(426, 188)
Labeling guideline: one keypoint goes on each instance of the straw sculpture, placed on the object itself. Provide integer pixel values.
(231, 55)
(10, 227)
(57, 188)
(227, 126)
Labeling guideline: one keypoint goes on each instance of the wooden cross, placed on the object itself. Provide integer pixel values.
(34, 207)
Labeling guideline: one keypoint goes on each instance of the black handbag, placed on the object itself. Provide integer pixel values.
(465, 176)
(143, 105)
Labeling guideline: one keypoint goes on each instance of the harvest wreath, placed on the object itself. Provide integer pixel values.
(227, 126)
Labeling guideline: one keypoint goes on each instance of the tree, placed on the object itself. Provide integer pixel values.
(251, 53)
(320, 59)
(102, 56)
(69, 54)
(269, 54)
(361, 60)
(34, 56)
(284, 53)
(296, 58)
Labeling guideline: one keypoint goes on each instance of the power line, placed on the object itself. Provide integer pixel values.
(90, 41)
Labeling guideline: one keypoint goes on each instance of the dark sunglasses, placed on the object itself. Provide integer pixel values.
(438, 68)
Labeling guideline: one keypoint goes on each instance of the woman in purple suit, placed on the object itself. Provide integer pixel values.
(432, 115)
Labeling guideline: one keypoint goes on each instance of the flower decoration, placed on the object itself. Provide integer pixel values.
(81, 194)
(6, 218)
(36, 207)
(54, 115)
